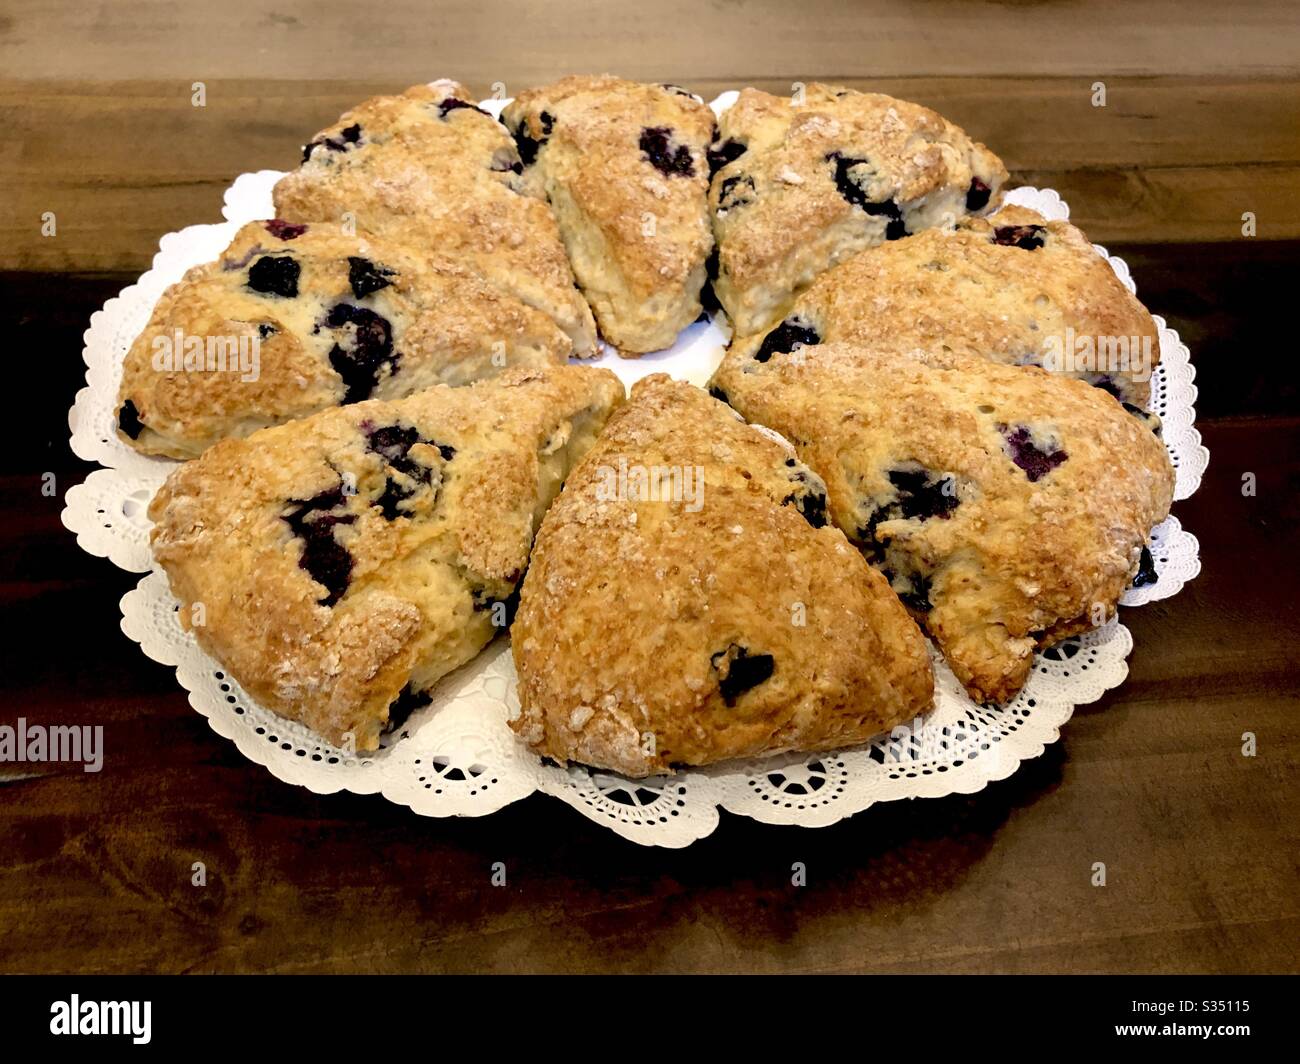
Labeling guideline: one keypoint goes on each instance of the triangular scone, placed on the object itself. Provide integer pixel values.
(662, 626)
(803, 183)
(624, 168)
(343, 563)
(294, 318)
(1009, 507)
(1013, 287)
(430, 169)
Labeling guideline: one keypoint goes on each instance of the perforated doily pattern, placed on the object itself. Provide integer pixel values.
(458, 757)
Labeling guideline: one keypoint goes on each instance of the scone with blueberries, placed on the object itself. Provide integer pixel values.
(1013, 287)
(1008, 507)
(297, 317)
(431, 169)
(802, 183)
(338, 566)
(624, 168)
(688, 603)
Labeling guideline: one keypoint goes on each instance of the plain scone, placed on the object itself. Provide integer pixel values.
(330, 319)
(431, 169)
(338, 566)
(802, 184)
(731, 622)
(624, 168)
(1013, 287)
(1009, 507)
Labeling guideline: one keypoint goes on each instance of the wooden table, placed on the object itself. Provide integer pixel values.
(1202, 124)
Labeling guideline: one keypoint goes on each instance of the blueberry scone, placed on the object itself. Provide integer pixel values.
(687, 603)
(801, 184)
(431, 169)
(294, 318)
(624, 168)
(340, 565)
(1008, 507)
(1012, 287)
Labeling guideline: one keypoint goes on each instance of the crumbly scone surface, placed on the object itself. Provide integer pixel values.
(624, 167)
(800, 187)
(1008, 506)
(1013, 287)
(334, 563)
(430, 169)
(334, 319)
(654, 633)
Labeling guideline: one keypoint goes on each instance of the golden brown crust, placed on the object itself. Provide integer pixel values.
(441, 323)
(917, 451)
(783, 211)
(1043, 297)
(343, 559)
(443, 178)
(637, 233)
(654, 633)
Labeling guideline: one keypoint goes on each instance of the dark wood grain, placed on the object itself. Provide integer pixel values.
(1200, 843)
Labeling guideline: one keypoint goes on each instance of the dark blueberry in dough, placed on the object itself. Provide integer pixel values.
(406, 703)
(265, 329)
(784, 337)
(916, 595)
(282, 230)
(735, 192)
(854, 194)
(1107, 384)
(656, 144)
(275, 275)
(1150, 420)
(326, 560)
(452, 104)
(346, 138)
(977, 196)
(506, 161)
(527, 144)
(923, 494)
(722, 154)
(366, 346)
(677, 90)
(740, 670)
(719, 394)
(1036, 464)
(128, 420)
(1146, 574)
(393, 443)
(365, 276)
(1028, 237)
(811, 504)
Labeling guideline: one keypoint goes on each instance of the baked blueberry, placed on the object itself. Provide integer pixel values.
(275, 275)
(656, 144)
(847, 183)
(977, 196)
(529, 145)
(265, 329)
(365, 276)
(283, 230)
(325, 559)
(785, 337)
(721, 154)
(1146, 574)
(452, 104)
(347, 137)
(363, 349)
(128, 420)
(1028, 237)
(1026, 454)
(924, 494)
(735, 192)
(740, 670)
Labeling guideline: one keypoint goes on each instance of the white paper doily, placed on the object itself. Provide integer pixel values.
(458, 757)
